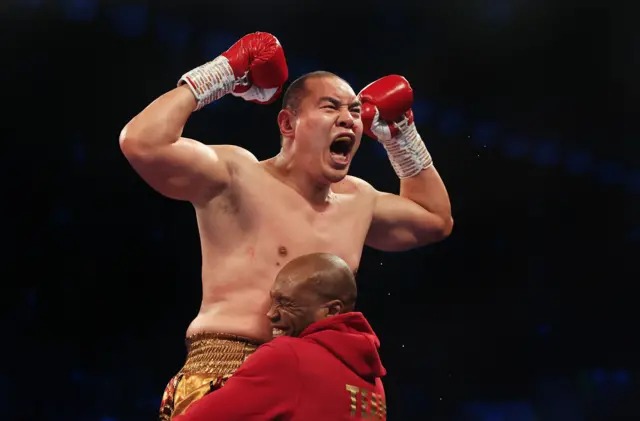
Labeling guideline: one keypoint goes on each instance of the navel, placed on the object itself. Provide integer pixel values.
(282, 251)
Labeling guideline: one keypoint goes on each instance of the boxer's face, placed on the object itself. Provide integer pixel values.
(328, 128)
(295, 305)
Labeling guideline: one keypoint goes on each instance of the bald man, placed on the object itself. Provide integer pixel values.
(323, 363)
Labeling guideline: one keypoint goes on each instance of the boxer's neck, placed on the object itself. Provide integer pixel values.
(298, 178)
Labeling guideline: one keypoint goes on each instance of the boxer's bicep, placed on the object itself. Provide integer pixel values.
(399, 224)
(183, 170)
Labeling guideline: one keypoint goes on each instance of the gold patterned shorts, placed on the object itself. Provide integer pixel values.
(211, 359)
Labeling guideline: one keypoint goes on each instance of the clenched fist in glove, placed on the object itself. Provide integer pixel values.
(387, 117)
(254, 68)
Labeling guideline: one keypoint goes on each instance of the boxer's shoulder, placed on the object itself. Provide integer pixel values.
(236, 158)
(353, 185)
(233, 153)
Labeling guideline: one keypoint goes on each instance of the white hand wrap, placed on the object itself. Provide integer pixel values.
(211, 81)
(407, 152)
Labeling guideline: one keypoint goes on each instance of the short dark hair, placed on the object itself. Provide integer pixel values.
(297, 89)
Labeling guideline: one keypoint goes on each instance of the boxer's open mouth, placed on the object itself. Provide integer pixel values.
(277, 332)
(341, 148)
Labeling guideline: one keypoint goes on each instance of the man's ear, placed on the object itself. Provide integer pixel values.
(334, 308)
(286, 122)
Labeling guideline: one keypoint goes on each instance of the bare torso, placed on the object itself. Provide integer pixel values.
(258, 225)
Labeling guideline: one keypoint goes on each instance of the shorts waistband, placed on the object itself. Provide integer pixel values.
(197, 339)
(217, 353)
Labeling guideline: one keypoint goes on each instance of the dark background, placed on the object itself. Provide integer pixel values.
(530, 109)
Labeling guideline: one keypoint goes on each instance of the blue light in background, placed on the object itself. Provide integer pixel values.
(516, 147)
(80, 10)
(499, 411)
(77, 376)
(422, 111)
(609, 173)
(4, 393)
(150, 403)
(451, 122)
(546, 154)
(29, 3)
(499, 11)
(172, 32)
(213, 44)
(633, 182)
(379, 149)
(485, 134)
(578, 162)
(299, 67)
(598, 376)
(543, 330)
(621, 376)
(602, 377)
(129, 20)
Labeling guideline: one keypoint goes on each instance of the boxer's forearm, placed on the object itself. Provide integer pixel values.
(161, 123)
(428, 190)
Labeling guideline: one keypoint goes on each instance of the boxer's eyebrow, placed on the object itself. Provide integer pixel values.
(337, 103)
(331, 100)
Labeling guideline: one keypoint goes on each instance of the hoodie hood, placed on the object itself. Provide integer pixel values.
(350, 338)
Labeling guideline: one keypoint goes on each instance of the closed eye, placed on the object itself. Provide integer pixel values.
(282, 301)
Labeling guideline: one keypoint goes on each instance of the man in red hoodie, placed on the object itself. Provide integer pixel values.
(323, 363)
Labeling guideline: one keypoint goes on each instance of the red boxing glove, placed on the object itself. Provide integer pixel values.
(254, 68)
(387, 116)
(391, 95)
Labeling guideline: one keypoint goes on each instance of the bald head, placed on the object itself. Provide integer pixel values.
(323, 274)
(308, 289)
(298, 89)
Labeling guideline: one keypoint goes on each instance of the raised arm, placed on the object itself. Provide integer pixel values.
(254, 68)
(421, 214)
(177, 167)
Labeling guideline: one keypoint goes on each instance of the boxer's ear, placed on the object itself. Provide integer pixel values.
(287, 122)
(334, 308)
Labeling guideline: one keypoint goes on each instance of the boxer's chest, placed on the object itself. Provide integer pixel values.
(288, 226)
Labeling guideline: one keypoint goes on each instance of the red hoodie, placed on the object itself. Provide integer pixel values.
(331, 372)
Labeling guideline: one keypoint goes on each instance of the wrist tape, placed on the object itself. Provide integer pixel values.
(407, 152)
(211, 81)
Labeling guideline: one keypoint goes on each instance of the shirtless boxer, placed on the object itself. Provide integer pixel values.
(255, 216)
